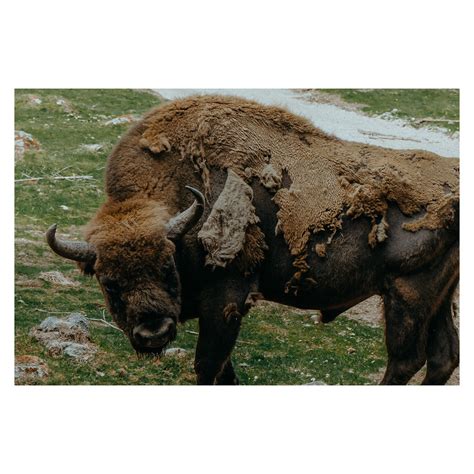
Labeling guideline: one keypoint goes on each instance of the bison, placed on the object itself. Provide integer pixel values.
(214, 202)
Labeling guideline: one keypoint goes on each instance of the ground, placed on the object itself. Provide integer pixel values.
(59, 179)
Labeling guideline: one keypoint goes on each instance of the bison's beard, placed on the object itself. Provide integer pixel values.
(147, 353)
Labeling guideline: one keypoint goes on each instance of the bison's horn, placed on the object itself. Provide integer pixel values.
(78, 251)
(178, 226)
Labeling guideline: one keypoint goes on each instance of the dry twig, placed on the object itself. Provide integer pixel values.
(67, 178)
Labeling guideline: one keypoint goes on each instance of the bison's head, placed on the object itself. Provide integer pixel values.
(130, 249)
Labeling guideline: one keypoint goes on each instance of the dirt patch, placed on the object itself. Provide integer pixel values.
(27, 282)
(377, 377)
(369, 312)
(23, 143)
(29, 368)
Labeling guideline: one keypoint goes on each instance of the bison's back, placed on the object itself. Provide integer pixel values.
(315, 179)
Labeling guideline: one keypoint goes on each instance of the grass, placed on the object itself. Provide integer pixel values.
(439, 105)
(277, 346)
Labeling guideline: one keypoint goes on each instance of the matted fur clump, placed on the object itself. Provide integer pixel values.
(326, 178)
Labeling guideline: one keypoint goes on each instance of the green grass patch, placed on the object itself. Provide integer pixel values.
(440, 106)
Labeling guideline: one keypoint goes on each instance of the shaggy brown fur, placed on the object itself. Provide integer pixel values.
(257, 141)
(133, 256)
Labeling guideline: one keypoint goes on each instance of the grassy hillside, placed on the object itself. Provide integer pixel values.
(277, 345)
(434, 107)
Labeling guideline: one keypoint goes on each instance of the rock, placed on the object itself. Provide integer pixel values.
(351, 350)
(24, 142)
(29, 368)
(57, 278)
(316, 318)
(23, 241)
(65, 105)
(92, 147)
(66, 336)
(121, 119)
(74, 322)
(315, 382)
(176, 351)
(34, 100)
(79, 351)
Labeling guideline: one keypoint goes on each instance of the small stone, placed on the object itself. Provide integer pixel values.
(24, 142)
(92, 147)
(64, 208)
(57, 278)
(122, 119)
(316, 318)
(351, 350)
(176, 351)
(315, 382)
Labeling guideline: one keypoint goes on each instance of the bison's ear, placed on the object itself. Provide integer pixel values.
(224, 232)
(86, 268)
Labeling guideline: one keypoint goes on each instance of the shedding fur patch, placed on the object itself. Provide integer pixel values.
(327, 178)
(224, 234)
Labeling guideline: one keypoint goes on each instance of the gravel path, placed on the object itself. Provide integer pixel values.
(345, 124)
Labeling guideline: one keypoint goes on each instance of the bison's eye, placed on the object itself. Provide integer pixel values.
(111, 287)
(170, 278)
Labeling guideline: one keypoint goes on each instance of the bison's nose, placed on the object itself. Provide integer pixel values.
(155, 337)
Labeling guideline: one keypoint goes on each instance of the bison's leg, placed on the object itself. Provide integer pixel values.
(227, 375)
(411, 303)
(216, 341)
(223, 305)
(405, 333)
(443, 346)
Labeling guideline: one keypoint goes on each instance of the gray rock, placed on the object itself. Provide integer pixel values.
(57, 278)
(66, 336)
(78, 320)
(79, 351)
(92, 147)
(74, 321)
(23, 142)
(28, 368)
(122, 119)
(316, 318)
(176, 351)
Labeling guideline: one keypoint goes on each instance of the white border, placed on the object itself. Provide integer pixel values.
(242, 44)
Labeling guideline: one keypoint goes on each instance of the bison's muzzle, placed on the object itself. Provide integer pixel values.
(148, 338)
